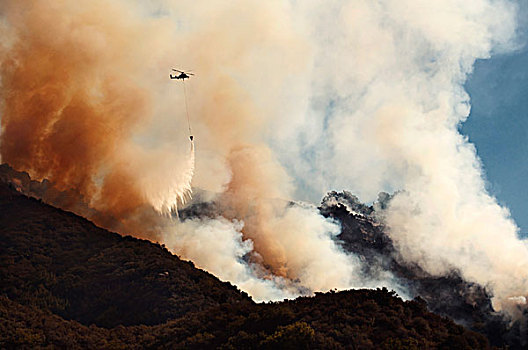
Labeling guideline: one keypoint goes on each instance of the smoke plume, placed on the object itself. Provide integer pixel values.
(74, 102)
(289, 100)
(87, 104)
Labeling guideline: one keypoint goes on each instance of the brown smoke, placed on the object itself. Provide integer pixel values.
(70, 106)
(249, 196)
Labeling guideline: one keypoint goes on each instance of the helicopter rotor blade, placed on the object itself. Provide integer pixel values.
(177, 70)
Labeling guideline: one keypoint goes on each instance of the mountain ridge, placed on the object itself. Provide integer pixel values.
(116, 267)
(66, 282)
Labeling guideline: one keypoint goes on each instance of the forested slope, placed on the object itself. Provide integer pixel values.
(66, 283)
(60, 262)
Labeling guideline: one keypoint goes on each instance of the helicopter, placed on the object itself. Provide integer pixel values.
(181, 76)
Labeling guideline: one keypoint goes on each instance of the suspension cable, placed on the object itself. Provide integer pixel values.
(187, 112)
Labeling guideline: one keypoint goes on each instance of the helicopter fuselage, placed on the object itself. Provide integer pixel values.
(182, 76)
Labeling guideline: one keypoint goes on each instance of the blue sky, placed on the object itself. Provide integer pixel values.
(498, 126)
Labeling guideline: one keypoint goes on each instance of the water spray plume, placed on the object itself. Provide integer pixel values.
(173, 189)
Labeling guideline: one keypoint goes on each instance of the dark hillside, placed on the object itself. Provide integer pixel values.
(65, 283)
(362, 319)
(356, 319)
(58, 261)
(27, 327)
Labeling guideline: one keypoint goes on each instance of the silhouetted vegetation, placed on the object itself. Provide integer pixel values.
(362, 319)
(66, 283)
(60, 262)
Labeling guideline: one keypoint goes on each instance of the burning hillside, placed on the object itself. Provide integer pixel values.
(292, 99)
(363, 236)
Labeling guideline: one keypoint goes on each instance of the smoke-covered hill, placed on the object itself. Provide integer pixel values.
(67, 283)
(449, 295)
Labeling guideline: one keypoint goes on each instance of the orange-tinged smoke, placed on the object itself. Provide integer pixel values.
(70, 106)
(250, 196)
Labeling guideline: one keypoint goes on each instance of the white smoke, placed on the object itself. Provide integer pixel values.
(217, 245)
(388, 100)
(311, 259)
